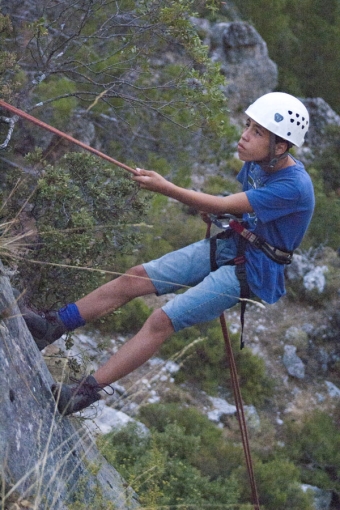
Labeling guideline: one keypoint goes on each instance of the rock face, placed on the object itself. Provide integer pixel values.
(46, 459)
(321, 117)
(244, 61)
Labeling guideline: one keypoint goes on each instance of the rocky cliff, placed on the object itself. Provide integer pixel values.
(46, 461)
(244, 60)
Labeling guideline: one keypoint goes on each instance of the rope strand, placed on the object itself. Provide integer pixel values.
(240, 412)
(56, 131)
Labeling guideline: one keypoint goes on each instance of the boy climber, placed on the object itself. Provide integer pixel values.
(276, 204)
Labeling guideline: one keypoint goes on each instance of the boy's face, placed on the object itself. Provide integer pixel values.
(254, 142)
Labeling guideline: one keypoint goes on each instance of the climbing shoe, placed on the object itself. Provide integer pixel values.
(45, 327)
(74, 397)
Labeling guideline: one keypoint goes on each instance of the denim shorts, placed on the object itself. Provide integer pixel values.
(206, 293)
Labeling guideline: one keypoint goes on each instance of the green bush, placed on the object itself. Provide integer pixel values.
(128, 319)
(10, 77)
(161, 467)
(186, 460)
(205, 363)
(84, 213)
(313, 444)
(279, 486)
(210, 457)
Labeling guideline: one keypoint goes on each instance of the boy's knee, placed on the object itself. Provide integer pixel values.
(137, 271)
(160, 322)
(139, 283)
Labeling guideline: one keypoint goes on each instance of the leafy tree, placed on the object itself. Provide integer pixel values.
(138, 71)
(139, 74)
(8, 62)
(9, 78)
(83, 214)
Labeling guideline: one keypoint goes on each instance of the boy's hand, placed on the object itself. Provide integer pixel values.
(152, 181)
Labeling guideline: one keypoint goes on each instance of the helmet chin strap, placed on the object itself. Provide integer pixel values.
(271, 161)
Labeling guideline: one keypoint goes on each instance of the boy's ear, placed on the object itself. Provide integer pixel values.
(280, 148)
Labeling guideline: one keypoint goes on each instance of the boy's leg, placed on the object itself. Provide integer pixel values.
(135, 352)
(48, 327)
(116, 293)
(186, 266)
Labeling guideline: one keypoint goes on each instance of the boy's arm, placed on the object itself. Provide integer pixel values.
(233, 204)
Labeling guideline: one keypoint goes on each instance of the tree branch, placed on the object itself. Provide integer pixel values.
(11, 122)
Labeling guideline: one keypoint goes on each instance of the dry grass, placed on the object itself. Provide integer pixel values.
(14, 236)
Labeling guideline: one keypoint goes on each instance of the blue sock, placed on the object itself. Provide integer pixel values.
(71, 317)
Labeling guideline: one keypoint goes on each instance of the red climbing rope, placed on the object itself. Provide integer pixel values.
(240, 412)
(43, 125)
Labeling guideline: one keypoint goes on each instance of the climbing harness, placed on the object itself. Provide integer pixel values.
(231, 225)
(240, 269)
(275, 254)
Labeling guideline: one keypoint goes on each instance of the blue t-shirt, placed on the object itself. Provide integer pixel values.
(283, 204)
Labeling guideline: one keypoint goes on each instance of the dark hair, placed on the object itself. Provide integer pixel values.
(278, 139)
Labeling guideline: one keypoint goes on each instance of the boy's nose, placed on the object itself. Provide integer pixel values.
(245, 135)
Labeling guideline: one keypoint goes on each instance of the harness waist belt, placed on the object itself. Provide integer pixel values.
(279, 256)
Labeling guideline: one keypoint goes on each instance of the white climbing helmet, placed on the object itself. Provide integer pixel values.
(282, 114)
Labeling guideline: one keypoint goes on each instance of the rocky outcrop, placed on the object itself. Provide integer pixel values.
(47, 460)
(321, 117)
(244, 60)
